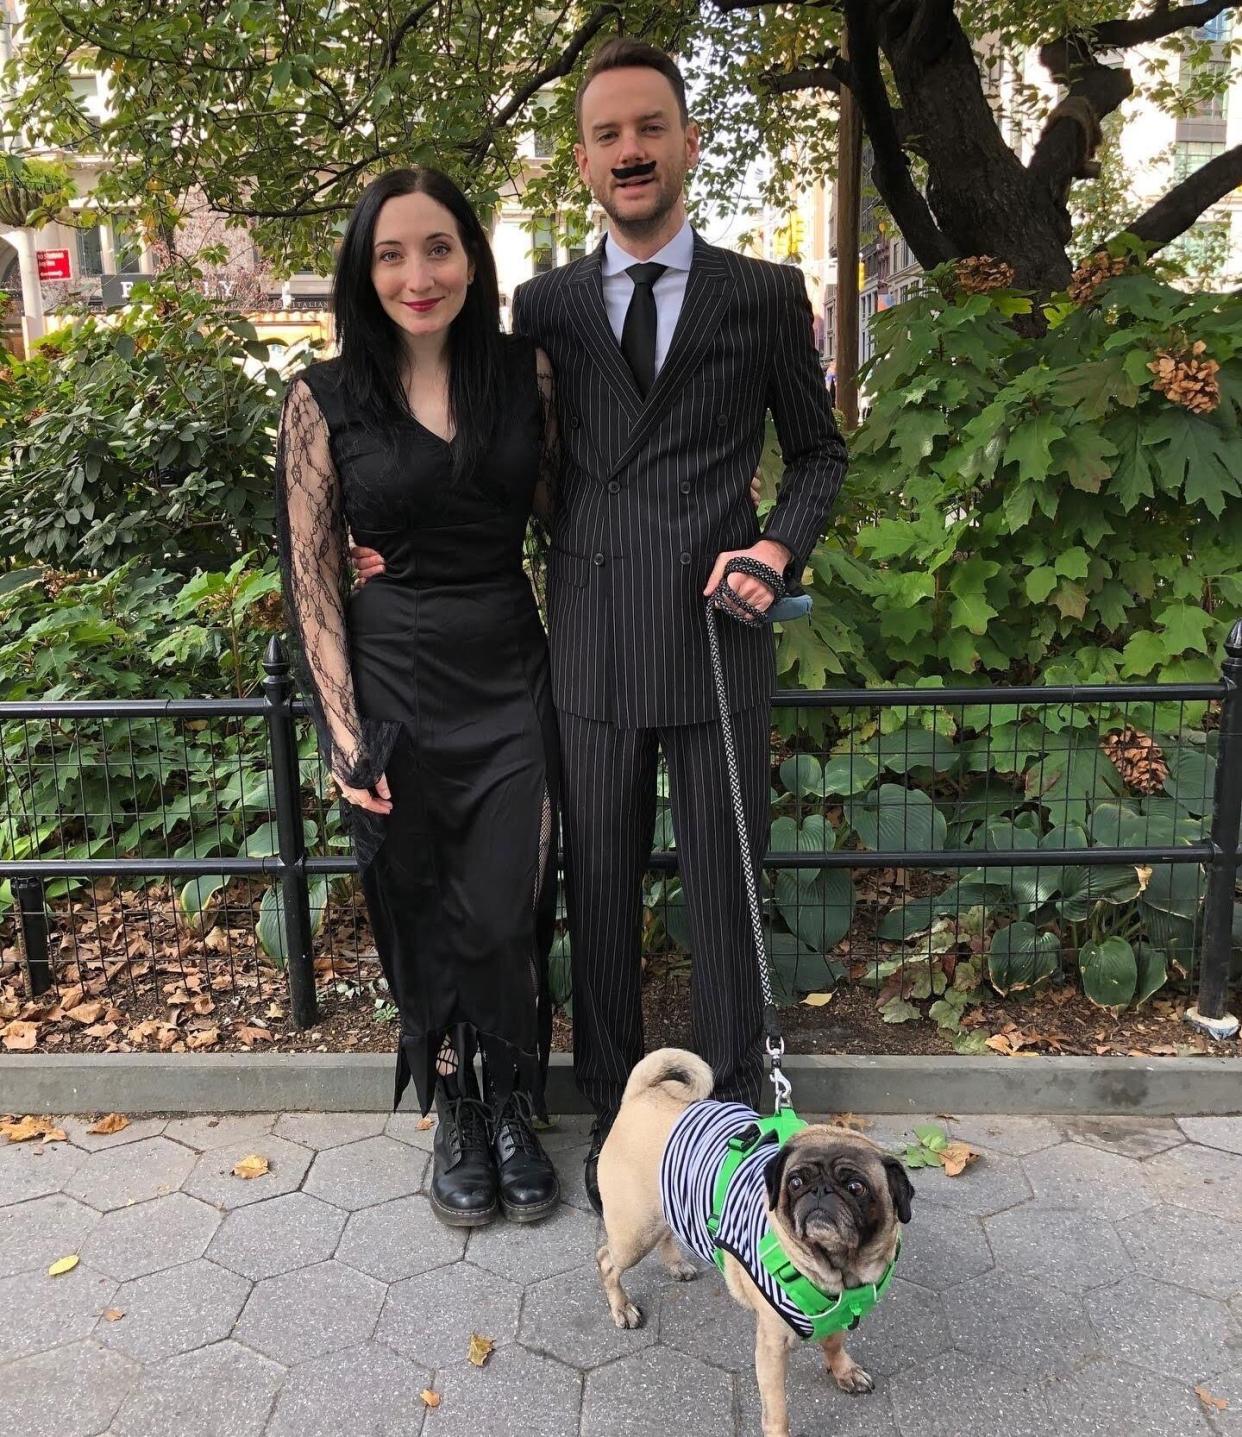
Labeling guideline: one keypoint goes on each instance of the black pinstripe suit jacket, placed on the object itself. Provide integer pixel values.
(652, 491)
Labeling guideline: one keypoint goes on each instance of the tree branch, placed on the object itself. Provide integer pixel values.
(1175, 212)
(1122, 34)
(411, 22)
(890, 169)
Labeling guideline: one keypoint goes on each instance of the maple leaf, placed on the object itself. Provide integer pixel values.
(253, 1166)
(481, 1349)
(108, 1124)
(954, 1158)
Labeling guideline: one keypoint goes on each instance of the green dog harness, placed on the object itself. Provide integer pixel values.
(825, 1314)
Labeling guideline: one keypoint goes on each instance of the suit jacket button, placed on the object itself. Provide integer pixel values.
(721, 420)
(575, 422)
(613, 487)
(598, 560)
(685, 558)
(685, 486)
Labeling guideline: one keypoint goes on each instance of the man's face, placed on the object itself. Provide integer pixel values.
(634, 152)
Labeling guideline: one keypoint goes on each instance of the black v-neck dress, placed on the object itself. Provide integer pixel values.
(435, 673)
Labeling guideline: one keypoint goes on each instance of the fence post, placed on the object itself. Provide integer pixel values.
(294, 889)
(1210, 1014)
(32, 911)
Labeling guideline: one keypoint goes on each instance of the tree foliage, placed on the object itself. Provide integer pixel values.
(275, 112)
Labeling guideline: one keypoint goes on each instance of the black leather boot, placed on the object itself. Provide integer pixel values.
(529, 1187)
(600, 1129)
(464, 1190)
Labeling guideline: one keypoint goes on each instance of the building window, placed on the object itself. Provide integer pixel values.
(90, 253)
(544, 136)
(1216, 29)
(1214, 107)
(543, 250)
(126, 250)
(1189, 155)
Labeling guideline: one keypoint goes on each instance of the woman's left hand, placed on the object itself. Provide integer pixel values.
(756, 489)
(368, 564)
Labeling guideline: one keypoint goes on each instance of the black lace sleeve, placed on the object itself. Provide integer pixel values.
(311, 544)
(548, 489)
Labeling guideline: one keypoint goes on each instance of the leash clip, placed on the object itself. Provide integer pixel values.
(784, 1088)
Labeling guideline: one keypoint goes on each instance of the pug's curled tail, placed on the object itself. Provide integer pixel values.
(682, 1075)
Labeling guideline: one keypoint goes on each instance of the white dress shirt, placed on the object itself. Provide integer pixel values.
(669, 289)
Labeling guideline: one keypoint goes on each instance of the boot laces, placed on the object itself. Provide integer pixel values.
(515, 1119)
(470, 1116)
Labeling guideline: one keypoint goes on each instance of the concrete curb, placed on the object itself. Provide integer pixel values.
(362, 1082)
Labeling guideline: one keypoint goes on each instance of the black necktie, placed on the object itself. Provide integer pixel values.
(638, 334)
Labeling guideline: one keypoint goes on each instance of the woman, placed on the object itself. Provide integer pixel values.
(430, 685)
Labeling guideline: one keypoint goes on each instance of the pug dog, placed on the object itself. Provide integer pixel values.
(834, 1199)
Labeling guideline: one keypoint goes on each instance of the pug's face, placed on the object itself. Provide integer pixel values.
(839, 1198)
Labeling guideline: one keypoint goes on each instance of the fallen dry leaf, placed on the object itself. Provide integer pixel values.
(1143, 871)
(851, 1121)
(425, 1124)
(251, 1035)
(86, 1013)
(1209, 1399)
(63, 1265)
(480, 1349)
(20, 1037)
(253, 1166)
(100, 1030)
(954, 1157)
(22, 1130)
(108, 1124)
(113, 1314)
(208, 1038)
(430, 1398)
(817, 1000)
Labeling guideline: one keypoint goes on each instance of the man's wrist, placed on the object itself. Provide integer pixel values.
(773, 553)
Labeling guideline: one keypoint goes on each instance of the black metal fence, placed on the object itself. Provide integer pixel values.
(1101, 822)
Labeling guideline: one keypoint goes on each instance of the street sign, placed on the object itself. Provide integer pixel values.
(53, 263)
(116, 288)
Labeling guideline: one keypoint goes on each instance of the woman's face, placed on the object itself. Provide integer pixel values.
(419, 265)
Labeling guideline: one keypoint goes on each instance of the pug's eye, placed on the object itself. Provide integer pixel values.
(795, 1183)
(856, 1188)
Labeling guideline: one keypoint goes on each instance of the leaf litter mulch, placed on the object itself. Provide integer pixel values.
(132, 975)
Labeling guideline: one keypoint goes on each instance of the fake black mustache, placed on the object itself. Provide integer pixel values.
(634, 172)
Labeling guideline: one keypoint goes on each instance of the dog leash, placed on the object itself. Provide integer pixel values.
(785, 606)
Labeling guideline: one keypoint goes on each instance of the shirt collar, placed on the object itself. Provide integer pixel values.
(678, 253)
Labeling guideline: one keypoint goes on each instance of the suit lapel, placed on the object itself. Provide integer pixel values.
(590, 318)
(701, 312)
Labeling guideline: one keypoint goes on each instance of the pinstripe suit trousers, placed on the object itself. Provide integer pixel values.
(608, 794)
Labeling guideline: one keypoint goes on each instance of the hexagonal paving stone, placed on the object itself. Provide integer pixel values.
(221, 1388)
(365, 1173)
(1072, 1251)
(164, 1232)
(995, 1183)
(1013, 1136)
(132, 1173)
(955, 1394)
(68, 1392)
(940, 1248)
(700, 1319)
(639, 1396)
(1128, 1137)
(133, 1132)
(1165, 1328)
(175, 1310)
(1223, 1133)
(1187, 1248)
(528, 1252)
(36, 1233)
(42, 1311)
(1016, 1324)
(567, 1317)
(1115, 1397)
(1200, 1178)
(213, 1180)
(571, 1131)
(816, 1403)
(908, 1326)
(430, 1318)
(206, 1131)
(276, 1236)
(568, 1163)
(31, 1170)
(365, 1389)
(399, 1239)
(328, 1130)
(315, 1309)
(536, 1394)
(1081, 1179)
(405, 1128)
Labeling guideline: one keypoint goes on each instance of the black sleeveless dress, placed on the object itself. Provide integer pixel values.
(435, 673)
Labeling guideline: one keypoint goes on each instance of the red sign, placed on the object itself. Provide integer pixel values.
(54, 264)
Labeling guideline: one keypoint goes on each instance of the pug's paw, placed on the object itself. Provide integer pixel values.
(850, 1377)
(627, 1317)
(682, 1271)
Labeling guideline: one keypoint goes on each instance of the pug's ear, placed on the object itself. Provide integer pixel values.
(900, 1186)
(774, 1176)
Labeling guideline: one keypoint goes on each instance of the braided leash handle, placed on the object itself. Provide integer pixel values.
(724, 598)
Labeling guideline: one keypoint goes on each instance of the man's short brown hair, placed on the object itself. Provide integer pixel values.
(622, 53)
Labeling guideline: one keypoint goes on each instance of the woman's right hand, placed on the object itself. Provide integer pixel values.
(376, 800)
(368, 564)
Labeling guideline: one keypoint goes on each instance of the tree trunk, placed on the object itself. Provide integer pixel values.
(985, 201)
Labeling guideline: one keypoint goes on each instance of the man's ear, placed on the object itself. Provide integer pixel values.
(900, 1186)
(774, 1177)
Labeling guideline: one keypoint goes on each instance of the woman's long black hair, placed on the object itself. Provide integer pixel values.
(372, 356)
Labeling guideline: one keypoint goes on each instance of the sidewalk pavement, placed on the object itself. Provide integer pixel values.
(1084, 1276)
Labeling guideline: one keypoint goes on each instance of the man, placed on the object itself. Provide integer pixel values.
(667, 354)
